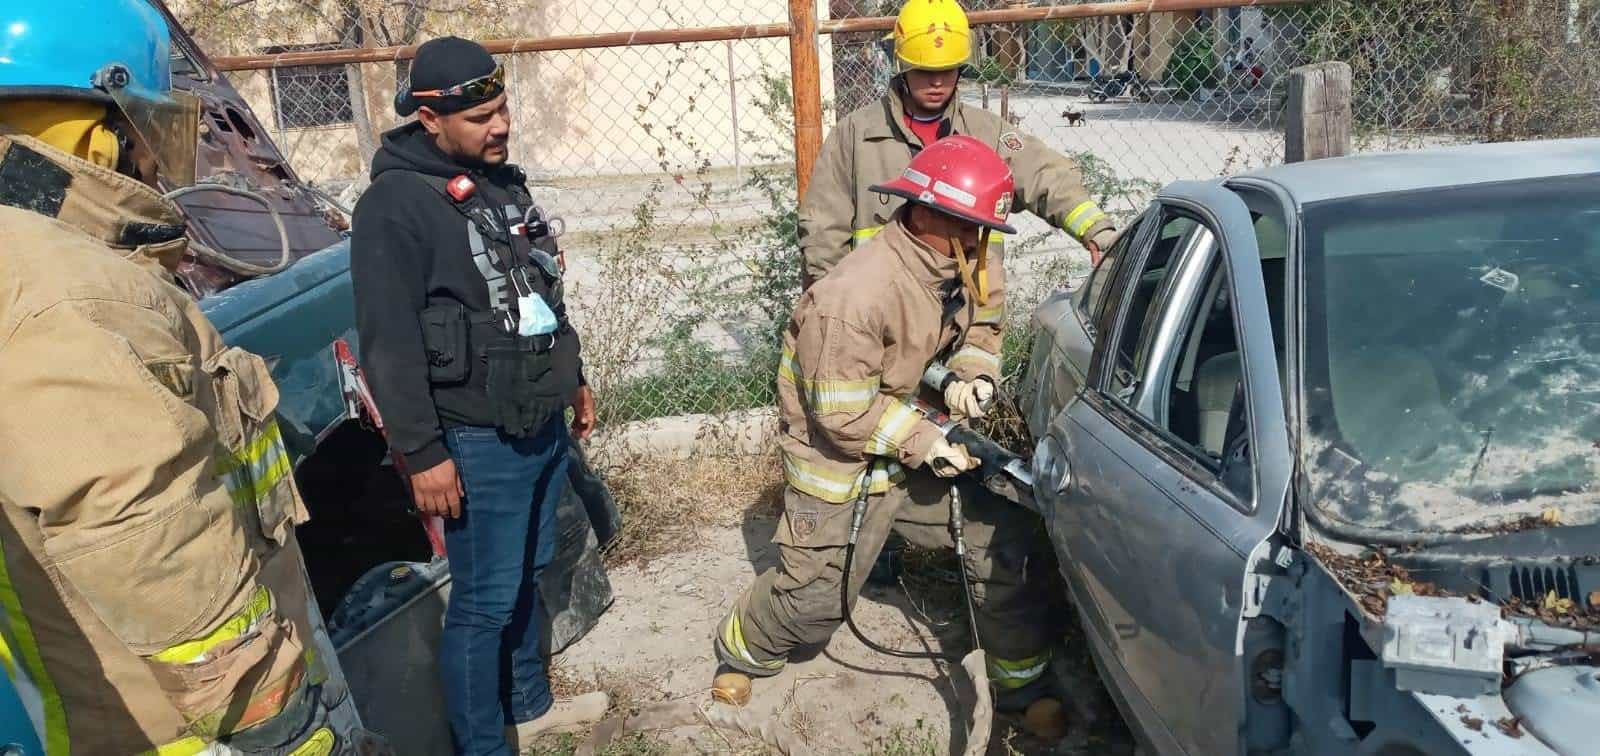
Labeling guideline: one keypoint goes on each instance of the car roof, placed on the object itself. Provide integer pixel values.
(1363, 175)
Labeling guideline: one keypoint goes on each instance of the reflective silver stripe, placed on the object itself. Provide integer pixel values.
(893, 428)
(838, 486)
(956, 193)
(990, 315)
(733, 640)
(982, 358)
(1082, 218)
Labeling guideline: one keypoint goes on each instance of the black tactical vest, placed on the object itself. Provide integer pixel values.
(528, 378)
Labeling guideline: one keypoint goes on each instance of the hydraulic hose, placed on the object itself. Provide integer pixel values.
(222, 259)
(850, 558)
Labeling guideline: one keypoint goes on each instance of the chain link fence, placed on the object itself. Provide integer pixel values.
(672, 164)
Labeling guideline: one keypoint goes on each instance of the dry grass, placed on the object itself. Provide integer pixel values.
(666, 503)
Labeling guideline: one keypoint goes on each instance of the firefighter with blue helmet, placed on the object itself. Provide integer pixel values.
(152, 593)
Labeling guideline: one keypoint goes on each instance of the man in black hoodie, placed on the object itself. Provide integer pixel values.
(466, 346)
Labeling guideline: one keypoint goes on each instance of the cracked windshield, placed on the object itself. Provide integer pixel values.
(1453, 356)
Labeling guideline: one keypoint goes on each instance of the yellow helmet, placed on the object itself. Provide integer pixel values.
(932, 35)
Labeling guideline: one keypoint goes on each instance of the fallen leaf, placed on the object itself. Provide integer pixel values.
(1557, 604)
(1551, 516)
(1511, 726)
(1400, 587)
(1473, 723)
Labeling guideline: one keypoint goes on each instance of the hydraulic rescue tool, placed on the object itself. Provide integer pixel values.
(1000, 471)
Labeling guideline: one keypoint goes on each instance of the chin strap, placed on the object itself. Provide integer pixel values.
(974, 275)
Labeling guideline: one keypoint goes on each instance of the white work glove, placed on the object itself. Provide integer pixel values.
(969, 399)
(948, 460)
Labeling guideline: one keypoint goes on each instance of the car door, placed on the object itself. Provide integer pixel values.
(1165, 449)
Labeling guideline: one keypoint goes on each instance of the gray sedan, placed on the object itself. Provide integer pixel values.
(1319, 451)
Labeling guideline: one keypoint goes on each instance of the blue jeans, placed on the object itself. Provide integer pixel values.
(489, 658)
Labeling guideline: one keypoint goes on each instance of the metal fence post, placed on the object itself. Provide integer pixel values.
(806, 80)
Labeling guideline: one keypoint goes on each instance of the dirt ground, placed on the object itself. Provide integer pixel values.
(711, 534)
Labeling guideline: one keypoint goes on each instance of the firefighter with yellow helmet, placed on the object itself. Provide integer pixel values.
(932, 43)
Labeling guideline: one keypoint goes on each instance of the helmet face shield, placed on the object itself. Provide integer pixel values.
(169, 128)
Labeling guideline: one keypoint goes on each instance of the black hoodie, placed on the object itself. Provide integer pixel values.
(413, 249)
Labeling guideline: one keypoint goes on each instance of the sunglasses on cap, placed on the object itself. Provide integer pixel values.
(481, 88)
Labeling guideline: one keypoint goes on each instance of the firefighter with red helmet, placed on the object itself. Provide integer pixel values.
(853, 356)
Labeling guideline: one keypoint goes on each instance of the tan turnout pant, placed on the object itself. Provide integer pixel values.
(796, 603)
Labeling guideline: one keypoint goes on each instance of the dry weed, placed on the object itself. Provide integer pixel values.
(665, 503)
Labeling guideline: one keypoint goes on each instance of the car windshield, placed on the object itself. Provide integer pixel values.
(1452, 356)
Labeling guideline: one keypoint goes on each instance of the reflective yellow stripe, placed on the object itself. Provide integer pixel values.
(1011, 674)
(1078, 213)
(994, 314)
(242, 623)
(320, 743)
(263, 464)
(189, 746)
(1082, 218)
(30, 678)
(788, 366)
(832, 485)
(894, 427)
(862, 235)
(980, 360)
(828, 395)
(733, 640)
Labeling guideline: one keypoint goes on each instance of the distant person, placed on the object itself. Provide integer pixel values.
(466, 344)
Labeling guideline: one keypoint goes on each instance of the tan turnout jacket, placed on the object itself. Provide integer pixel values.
(853, 359)
(153, 594)
(872, 145)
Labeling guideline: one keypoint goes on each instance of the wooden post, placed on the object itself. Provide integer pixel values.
(806, 82)
(1319, 122)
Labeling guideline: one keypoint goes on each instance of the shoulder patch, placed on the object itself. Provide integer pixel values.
(32, 182)
(1012, 141)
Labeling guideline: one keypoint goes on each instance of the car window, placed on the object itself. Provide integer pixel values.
(1092, 295)
(1200, 402)
(1142, 292)
(1178, 364)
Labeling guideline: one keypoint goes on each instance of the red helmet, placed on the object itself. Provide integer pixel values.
(961, 176)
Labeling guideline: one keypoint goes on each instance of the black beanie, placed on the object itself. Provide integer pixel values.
(440, 64)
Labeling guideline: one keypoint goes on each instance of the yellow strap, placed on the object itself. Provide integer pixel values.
(56, 742)
(193, 651)
(189, 746)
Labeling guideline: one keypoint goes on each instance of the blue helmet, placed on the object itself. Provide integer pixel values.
(57, 48)
(116, 51)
